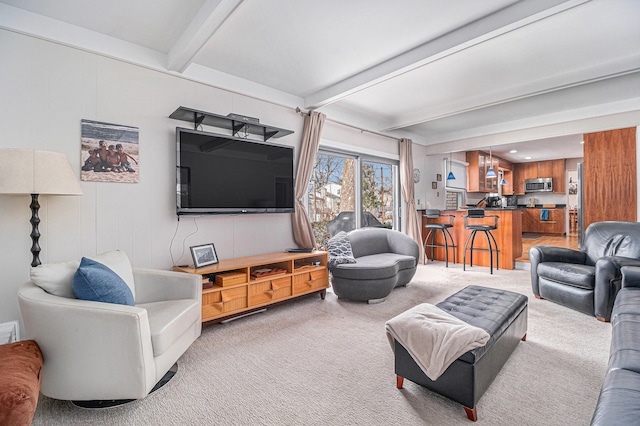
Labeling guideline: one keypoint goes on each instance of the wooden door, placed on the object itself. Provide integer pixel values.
(610, 176)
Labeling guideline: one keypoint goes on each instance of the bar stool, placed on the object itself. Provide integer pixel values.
(475, 221)
(433, 227)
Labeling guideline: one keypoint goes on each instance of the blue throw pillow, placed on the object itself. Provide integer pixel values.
(95, 281)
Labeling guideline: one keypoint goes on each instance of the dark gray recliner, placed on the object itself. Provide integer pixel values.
(588, 279)
(385, 259)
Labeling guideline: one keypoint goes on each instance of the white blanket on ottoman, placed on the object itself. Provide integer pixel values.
(433, 337)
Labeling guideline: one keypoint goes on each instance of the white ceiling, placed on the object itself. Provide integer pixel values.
(451, 75)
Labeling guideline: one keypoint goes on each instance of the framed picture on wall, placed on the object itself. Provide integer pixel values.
(109, 152)
(204, 255)
(439, 177)
(434, 185)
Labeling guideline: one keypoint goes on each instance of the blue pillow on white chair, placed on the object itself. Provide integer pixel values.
(95, 281)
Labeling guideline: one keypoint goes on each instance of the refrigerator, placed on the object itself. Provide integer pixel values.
(580, 203)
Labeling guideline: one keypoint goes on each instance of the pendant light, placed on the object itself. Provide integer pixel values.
(450, 176)
(491, 173)
(501, 177)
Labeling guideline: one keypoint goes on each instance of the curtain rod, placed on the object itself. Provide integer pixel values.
(302, 112)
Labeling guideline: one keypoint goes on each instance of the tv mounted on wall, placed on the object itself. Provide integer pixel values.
(218, 174)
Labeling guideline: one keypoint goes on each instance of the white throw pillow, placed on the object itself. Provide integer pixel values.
(57, 278)
(339, 248)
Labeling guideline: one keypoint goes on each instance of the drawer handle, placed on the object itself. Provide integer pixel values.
(229, 299)
(275, 287)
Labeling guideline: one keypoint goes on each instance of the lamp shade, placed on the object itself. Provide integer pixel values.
(451, 176)
(29, 171)
(491, 173)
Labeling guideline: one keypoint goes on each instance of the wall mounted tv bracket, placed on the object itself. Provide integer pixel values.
(232, 122)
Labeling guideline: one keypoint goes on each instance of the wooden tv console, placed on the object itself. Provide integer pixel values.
(245, 284)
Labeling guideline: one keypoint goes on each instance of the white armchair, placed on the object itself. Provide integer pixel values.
(105, 351)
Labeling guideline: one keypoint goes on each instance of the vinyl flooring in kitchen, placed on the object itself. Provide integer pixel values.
(528, 240)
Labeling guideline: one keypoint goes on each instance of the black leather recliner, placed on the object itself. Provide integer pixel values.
(588, 279)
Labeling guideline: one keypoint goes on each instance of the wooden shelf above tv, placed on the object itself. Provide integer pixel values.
(234, 124)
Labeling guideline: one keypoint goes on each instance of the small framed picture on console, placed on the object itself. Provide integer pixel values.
(204, 255)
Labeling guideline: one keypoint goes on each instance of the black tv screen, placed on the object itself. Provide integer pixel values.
(219, 174)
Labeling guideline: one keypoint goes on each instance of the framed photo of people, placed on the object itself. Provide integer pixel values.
(204, 255)
(109, 152)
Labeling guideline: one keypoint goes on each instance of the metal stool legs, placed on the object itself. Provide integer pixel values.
(493, 247)
(447, 245)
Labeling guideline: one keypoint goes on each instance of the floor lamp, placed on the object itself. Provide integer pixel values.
(28, 171)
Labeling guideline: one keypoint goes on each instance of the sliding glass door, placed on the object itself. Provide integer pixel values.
(347, 192)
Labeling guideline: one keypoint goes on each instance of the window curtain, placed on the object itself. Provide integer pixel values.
(302, 230)
(414, 224)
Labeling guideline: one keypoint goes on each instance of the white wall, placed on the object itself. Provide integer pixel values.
(46, 89)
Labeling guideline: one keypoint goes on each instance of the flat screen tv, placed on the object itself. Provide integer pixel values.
(218, 174)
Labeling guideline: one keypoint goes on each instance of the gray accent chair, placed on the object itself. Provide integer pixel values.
(385, 259)
(587, 280)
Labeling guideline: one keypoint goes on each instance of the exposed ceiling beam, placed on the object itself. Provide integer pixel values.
(204, 25)
(500, 22)
(549, 84)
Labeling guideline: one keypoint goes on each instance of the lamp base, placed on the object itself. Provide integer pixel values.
(35, 233)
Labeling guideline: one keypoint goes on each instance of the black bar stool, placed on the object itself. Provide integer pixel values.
(433, 227)
(475, 221)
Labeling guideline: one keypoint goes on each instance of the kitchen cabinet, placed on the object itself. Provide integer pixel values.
(518, 180)
(540, 169)
(545, 169)
(479, 163)
(509, 178)
(558, 174)
(532, 223)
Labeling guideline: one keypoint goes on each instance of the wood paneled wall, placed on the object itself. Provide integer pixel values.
(610, 176)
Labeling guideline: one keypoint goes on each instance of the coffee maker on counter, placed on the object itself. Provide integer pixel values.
(493, 201)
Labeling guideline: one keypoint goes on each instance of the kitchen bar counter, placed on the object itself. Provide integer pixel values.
(508, 235)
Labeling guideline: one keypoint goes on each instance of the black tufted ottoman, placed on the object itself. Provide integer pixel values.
(503, 314)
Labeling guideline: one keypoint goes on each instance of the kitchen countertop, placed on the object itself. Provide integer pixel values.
(540, 206)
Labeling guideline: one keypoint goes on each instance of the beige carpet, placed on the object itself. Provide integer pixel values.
(314, 362)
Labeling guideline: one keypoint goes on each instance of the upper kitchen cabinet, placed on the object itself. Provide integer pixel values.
(554, 169)
(479, 163)
(559, 176)
(545, 169)
(529, 171)
(475, 171)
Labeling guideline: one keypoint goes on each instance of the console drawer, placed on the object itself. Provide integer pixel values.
(310, 281)
(222, 301)
(269, 291)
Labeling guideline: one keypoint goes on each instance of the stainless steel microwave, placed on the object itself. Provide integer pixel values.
(538, 185)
